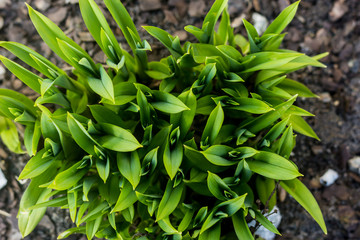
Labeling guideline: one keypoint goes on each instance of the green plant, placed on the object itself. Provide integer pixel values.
(134, 157)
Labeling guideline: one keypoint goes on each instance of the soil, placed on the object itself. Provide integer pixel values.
(319, 26)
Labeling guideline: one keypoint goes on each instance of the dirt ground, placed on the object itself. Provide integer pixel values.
(319, 26)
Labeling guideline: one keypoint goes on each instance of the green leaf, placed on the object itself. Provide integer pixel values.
(241, 227)
(265, 222)
(72, 202)
(36, 165)
(173, 157)
(252, 35)
(28, 219)
(9, 135)
(32, 136)
(285, 17)
(251, 105)
(212, 17)
(103, 168)
(33, 59)
(303, 196)
(219, 188)
(68, 178)
(165, 38)
(51, 33)
(80, 135)
(218, 155)
(267, 119)
(294, 87)
(301, 126)
(264, 188)
(170, 200)
(118, 139)
(213, 233)
(158, 71)
(213, 126)
(124, 21)
(223, 210)
(185, 119)
(273, 166)
(27, 77)
(167, 102)
(130, 167)
(103, 86)
(145, 110)
(96, 23)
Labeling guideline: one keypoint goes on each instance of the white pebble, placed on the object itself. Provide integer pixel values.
(3, 180)
(354, 164)
(260, 23)
(275, 218)
(329, 177)
(2, 72)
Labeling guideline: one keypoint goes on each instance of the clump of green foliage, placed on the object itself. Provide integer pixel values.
(179, 148)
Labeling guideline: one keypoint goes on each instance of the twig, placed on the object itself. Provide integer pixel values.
(271, 195)
(6, 214)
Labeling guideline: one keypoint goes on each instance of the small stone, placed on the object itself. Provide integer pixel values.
(1, 22)
(317, 149)
(325, 97)
(329, 177)
(260, 23)
(3, 154)
(283, 4)
(3, 180)
(42, 5)
(323, 37)
(150, 5)
(282, 194)
(347, 51)
(315, 183)
(2, 72)
(181, 34)
(197, 8)
(4, 3)
(86, 37)
(170, 17)
(339, 9)
(354, 164)
(342, 192)
(71, 1)
(58, 15)
(238, 21)
(17, 84)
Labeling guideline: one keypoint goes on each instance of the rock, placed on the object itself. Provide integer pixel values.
(329, 177)
(181, 34)
(315, 183)
(197, 8)
(4, 3)
(1, 22)
(71, 1)
(282, 194)
(3, 180)
(42, 5)
(170, 17)
(323, 36)
(58, 15)
(325, 97)
(338, 10)
(275, 218)
(150, 5)
(317, 149)
(17, 84)
(260, 23)
(238, 21)
(86, 37)
(283, 4)
(354, 164)
(2, 72)
(346, 52)
(3, 154)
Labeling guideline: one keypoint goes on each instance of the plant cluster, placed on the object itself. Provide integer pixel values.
(179, 148)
